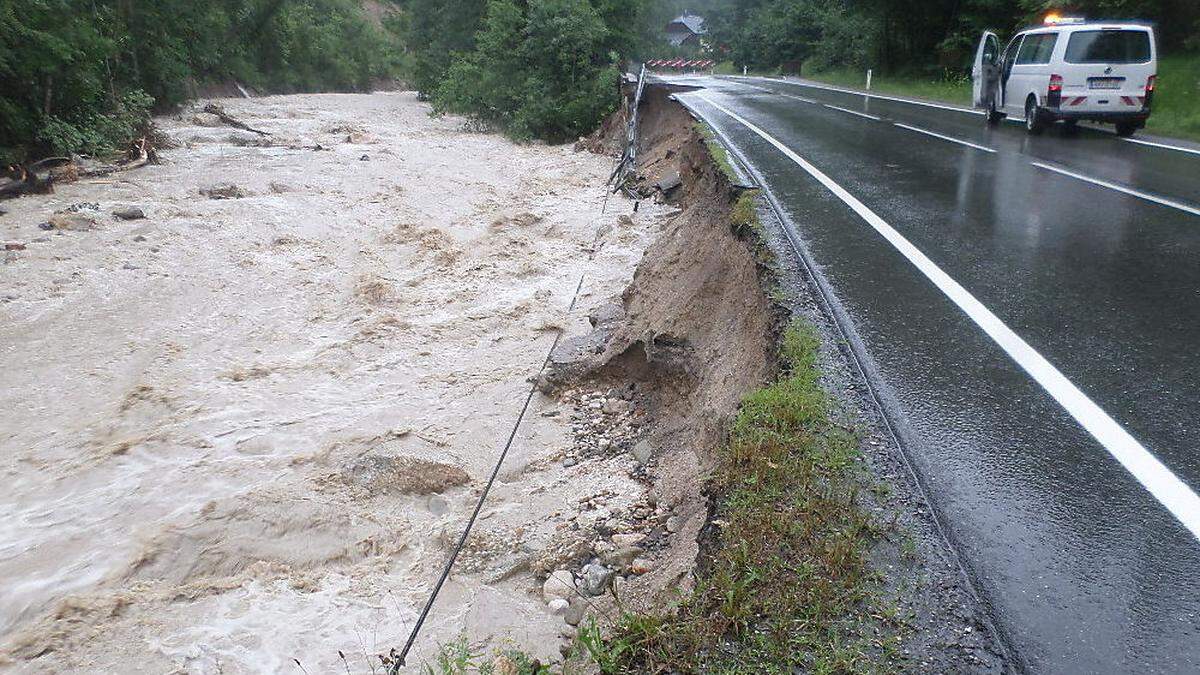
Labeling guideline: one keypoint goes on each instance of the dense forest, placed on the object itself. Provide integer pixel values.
(78, 76)
(81, 75)
(902, 35)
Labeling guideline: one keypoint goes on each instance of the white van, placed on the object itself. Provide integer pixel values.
(1069, 70)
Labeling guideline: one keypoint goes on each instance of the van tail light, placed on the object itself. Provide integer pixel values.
(1150, 82)
(1054, 94)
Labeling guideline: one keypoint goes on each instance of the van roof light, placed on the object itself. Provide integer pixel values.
(1055, 19)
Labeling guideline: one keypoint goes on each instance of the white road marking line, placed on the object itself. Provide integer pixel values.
(881, 97)
(853, 112)
(1161, 145)
(798, 98)
(1121, 188)
(945, 138)
(1154, 476)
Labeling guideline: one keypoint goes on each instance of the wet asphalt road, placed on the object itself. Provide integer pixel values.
(1084, 569)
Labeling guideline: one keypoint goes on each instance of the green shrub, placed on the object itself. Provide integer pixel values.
(538, 70)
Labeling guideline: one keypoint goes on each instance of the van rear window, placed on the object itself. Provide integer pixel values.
(1109, 46)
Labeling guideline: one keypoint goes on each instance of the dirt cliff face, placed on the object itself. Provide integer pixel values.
(693, 332)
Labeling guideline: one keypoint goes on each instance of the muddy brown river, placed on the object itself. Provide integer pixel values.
(244, 431)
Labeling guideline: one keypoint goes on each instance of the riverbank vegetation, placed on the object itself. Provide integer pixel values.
(542, 69)
(76, 77)
(533, 68)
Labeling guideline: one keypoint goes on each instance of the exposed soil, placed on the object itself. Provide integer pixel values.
(693, 333)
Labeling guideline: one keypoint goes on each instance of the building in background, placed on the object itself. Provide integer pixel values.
(685, 30)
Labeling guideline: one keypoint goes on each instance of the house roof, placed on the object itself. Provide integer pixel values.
(693, 23)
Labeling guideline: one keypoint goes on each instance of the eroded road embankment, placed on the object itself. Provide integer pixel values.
(903, 601)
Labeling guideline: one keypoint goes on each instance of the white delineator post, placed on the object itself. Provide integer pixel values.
(868, 79)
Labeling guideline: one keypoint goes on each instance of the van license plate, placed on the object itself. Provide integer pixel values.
(1105, 82)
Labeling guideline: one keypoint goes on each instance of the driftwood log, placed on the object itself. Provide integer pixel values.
(24, 179)
(214, 109)
(140, 153)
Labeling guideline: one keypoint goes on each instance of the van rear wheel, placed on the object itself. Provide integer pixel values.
(1126, 129)
(1034, 123)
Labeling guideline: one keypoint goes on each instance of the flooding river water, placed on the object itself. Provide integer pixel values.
(242, 431)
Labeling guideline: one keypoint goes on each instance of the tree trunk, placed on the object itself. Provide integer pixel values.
(47, 94)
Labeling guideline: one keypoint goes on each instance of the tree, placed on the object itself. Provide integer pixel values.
(571, 83)
(486, 82)
(439, 31)
(902, 35)
(80, 76)
(539, 69)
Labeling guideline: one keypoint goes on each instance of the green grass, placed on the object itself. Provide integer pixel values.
(717, 151)
(949, 89)
(1176, 100)
(744, 214)
(789, 586)
(728, 68)
(460, 658)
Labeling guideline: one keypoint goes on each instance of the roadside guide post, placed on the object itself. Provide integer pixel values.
(868, 79)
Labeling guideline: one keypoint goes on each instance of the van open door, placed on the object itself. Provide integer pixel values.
(985, 73)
